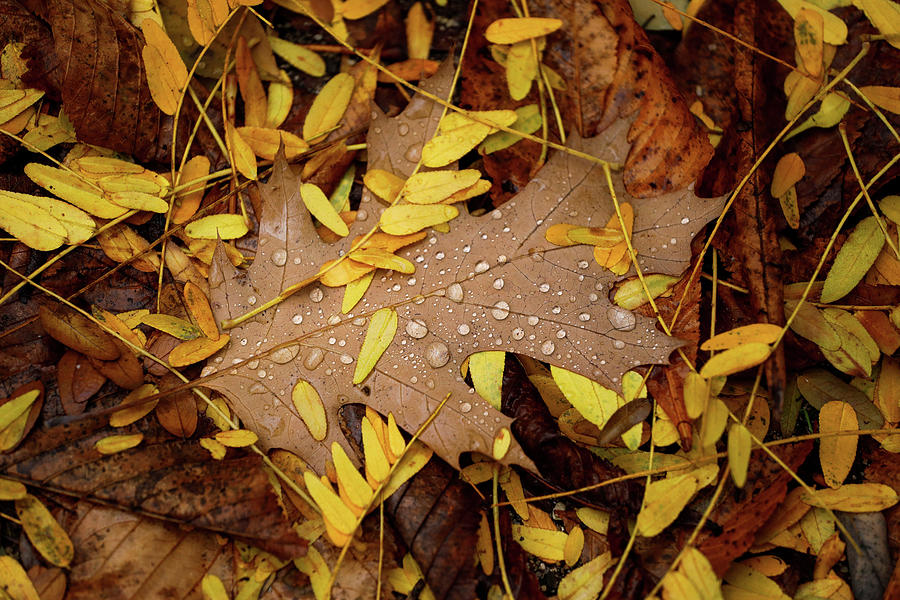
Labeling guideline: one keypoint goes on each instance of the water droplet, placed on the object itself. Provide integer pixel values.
(555, 310)
(498, 284)
(279, 257)
(621, 319)
(403, 129)
(244, 342)
(251, 300)
(416, 329)
(561, 334)
(207, 370)
(619, 344)
(261, 374)
(465, 407)
(334, 319)
(467, 248)
(257, 388)
(455, 292)
(332, 340)
(593, 297)
(544, 287)
(361, 215)
(253, 363)
(496, 214)
(437, 355)
(584, 317)
(583, 264)
(413, 153)
(297, 319)
(316, 294)
(502, 259)
(285, 355)
(481, 266)
(463, 329)
(685, 221)
(439, 255)
(346, 359)
(547, 348)
(500, 310)
(533, 320)
(314, 358)
(359, 321)
(518, 333)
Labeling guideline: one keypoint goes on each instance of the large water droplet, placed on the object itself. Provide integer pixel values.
(279, 257)
(403, 129)
(316, 294)
(518, 333)
(334, 319)
(465, 407)
(544, 287)
(253, 363)
(361, 215)
(500, 310)
(413, 153)
(285, 355)
(498, 284)
(533, 320)
(619, 344)
(437, 355)
(455, 292)
(346, 359)
(416, 329)
(621, 319)
(314, 358)
(548, 347)
(257, 388)
(481, 266)
(584, 317)
(297, 319)
(251, 300)
(463, 329)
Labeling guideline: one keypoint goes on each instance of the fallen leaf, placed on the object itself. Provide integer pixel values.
(853, 260)
(837, 453)
(44, 532)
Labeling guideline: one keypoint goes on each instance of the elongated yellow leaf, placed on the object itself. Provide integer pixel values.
(320, 207)
(341, 517)
(758, 332)
(593, 401)
(112, 444)
(809, 29)
(265, 142)
(14, 581)
(44, 532)
(528, 121)
(853, 497)
(837, 453)
(502, 441)
(419, 32)
(831, 110)
(18, 406)
(736, 359)
(215, 448)
(435, 186)
(377, 465)
(353, 484)
(663, 502)
(179, 328)
(140, 201)
(494, 118)
(79, 226)
(329, 107)
(383, 184)
(383, 259)
(357, 9)
(790, 208)
(595, 519)
(715, 419)
(226, 227)
(835, 30)
(311, 408)
(242, 157)
(405, 219)
(789, 170)
(355, 290)
(510, 31)
(574, 546)
(30, 224)
(631, 294)
(853, 260)
(129, 414)
(739, 443)
(379, 335)
(546, 545)
(13, 102)
(486, 369)
(236, 438)
(279, 100)
(211, 586)
(411, 463)
(885, 16)
(521, 69)
(72, 189)
(696, 568)
(811, 324)
(452, 145)
(298, 56)
(192, 351)
(166, 74)
(884, 97)
(12, 490)
(585, 582)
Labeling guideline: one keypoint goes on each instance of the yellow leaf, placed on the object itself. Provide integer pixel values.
(16, 407)
(809, 29)
(510, 31)
(885, 16)
(72, 189)
(377, 465)
(593, 401)
(831, 110)
(884, 97)
(853, 497)
(817, 526)
(546, 545)
(14, 581)
(521, 69)
(354, 484)
(310, 408)
(558, 234)
(585, 582)
(355, 290)
(528, 121)
(204, 17)
(382, 259)
(739, 443)
(265, 142)
(411, 463)
(179, 328)
(574, 546)
(335, 273)
(379, 335)
(631, 295)
(837, 453)
(337, 513)
(211, 586)
(789, 170)
(112, 444)
(329, 106)
(853, 260)
(605, 237)
(298, 56)
(357, 9)
(453, 144)
(242, 157)
(484, 546)
(835, 30)
(166, 74)
(226, 227)
(127, 414)
(123, 244)
(502, 441)
(696, 568)
(406, 219)
(887, 390)
(435, 186)
(715, 418)
(494, 118)
(251, 87)
(187, 199)
(11, 490)
(758, 332)
(383, 184)
(663, 501)
(594, 519)
(279, 101)
(30, 223)
(216, 448)
(318, 205)
(736, 359)
(890, 206)
(44, 532)
(486, 369)
(13, 102)
(811, 324)
(140, 201)
(790, 208)
(744, 576)
(192, 351)
(237, 438)
(197, 302)
(419, 32)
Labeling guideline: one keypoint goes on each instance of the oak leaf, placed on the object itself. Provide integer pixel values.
(493, 282)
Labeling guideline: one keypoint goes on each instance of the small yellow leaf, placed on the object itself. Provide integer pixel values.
(406, 219)
(377, 464)
(416, 457)
(12, 490)
(382, 259)
(329, 106)
(31, 224)
(179, 328)
(758, 332)
(595, 519)
(853, 497)
(835, 30)
(396, 443)
(192, 351)
(279, 101)
(453, 144)
(739, 443)
(379, 335)
(837, 453)
(112, 444)
(265, 142)
(486, 369)
(593, 401)
(811, 324)
(663, 501)
(484, 546)
(216, 448)
(14, 581)
(736, 359)
(44, 532)
(166, 74)
(574, 546)
(335, 273)
(494, 118)
(353, 484)
(528, 121)
(890, 206)
(510, 31)
(558, 234)
(885, 16)
(127, 414)
(13, 102)
(226, 227)
(237, 438)
(831, 110)
(242, 157)
(319, 206)
(355, 290)
(383, 184)
(521, 69)
(809, 31)
(298, 56)
(715, 419)
(310, 408)
(884, 97)
(605, 237)
(789, 170)
(16, 407)
(187, 199)
(72, 189)
(696, 568)
(357, 9)
(502, 442)
(546, 545)
(631, 294)
(585, 582)
(853, 260)
(250, 85)
(435, 186)
(211, 586)
(419, 32)
(122, 244)
(337, 513)
(197, 302)
(790, 208)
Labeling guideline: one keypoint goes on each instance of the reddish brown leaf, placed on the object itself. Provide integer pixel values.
(177, 413)
(125, 371)
(76, 331)
(77, 381)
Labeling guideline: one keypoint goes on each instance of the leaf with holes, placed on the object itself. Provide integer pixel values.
(493, 282)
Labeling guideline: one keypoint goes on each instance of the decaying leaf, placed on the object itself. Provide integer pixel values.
(492, 280)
